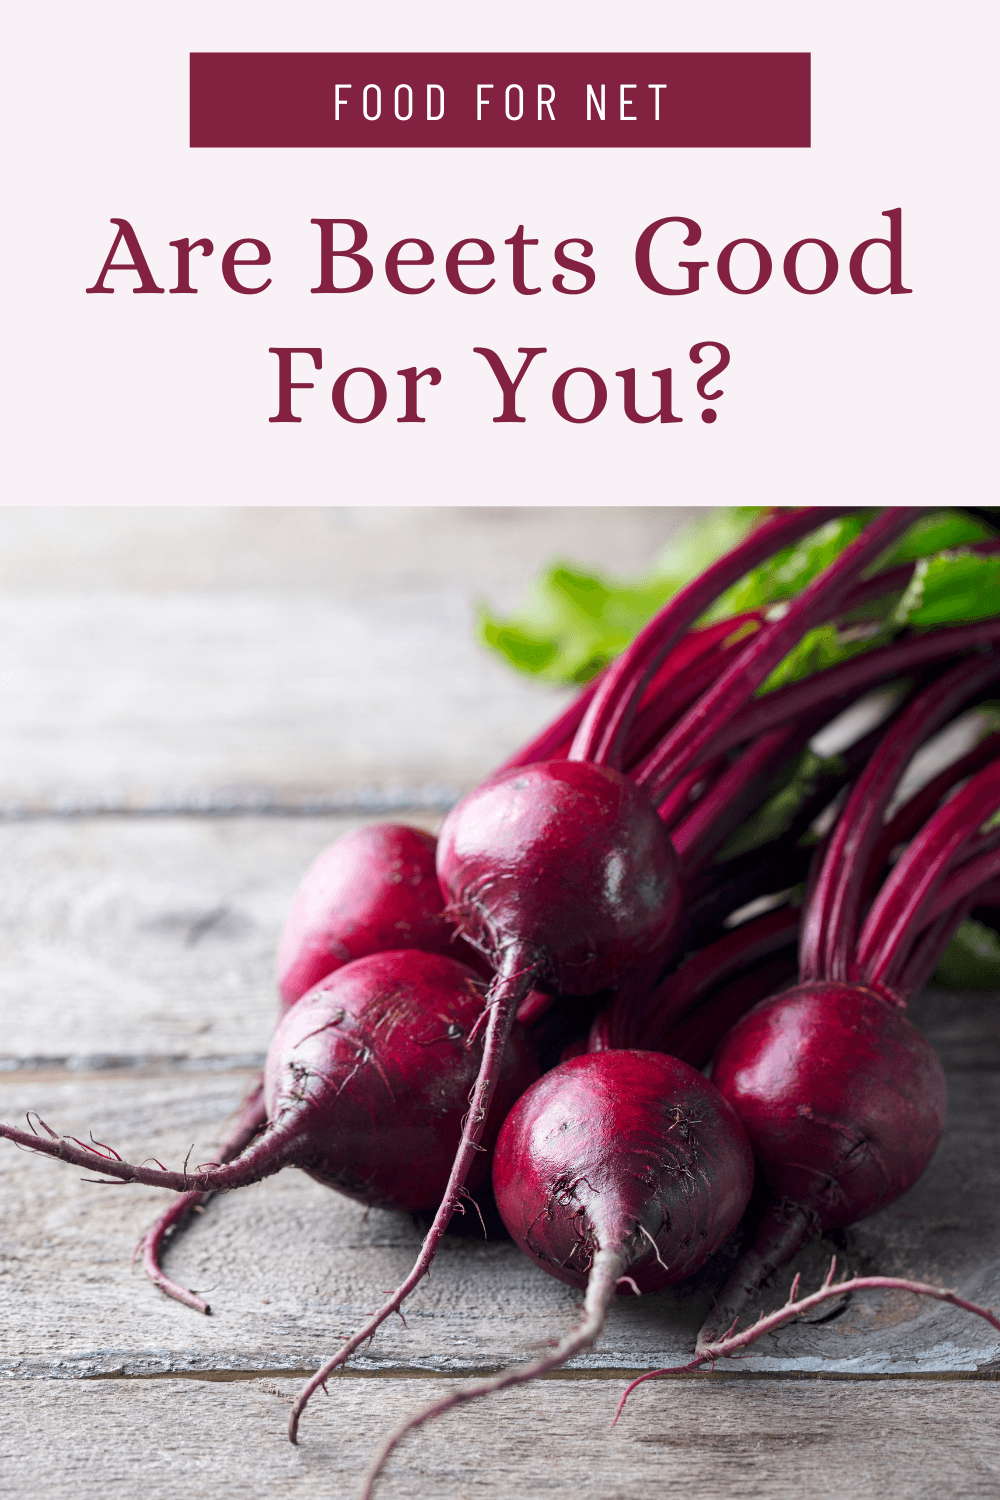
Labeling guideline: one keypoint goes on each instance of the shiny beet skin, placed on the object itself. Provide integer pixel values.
(375, 1064)
(843, 1100)
(570, 861)
(373, 890)
(612, 1141)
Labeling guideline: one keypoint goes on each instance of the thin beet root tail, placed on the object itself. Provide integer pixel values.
(732, 1342)
(173, 1220)
(250, 1122)
(605, 1275)
(516, 978)
(783, 1231)
(267, 1154)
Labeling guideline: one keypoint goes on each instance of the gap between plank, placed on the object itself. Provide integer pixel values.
(990, 1373)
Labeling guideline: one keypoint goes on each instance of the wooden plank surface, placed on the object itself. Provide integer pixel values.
(721, 1440)
(185, 662)
(288, 1265)
(268, 660)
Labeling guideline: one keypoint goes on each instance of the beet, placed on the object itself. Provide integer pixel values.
(561, 872)
(374, 889)
(562, 869)
(378, 1055)
(616, 1171)
(842, 1099)
(628, 1152)
(366, 1084)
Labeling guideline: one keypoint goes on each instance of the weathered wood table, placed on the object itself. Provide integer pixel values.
(193, 704)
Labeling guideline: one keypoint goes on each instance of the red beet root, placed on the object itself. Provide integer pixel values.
(366, 1084)
(378, 1057)
(373, 890)
(842, 1098)
(615, 1169)
(843, 1101)
(569, 863)
(632, 1152)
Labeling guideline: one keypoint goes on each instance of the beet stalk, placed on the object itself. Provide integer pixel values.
(650, 1024)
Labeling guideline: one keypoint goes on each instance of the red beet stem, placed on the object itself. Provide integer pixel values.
(690, 668)
(915, 812)
(896, 914)
(970, 877)
(559, 734)
(847, 681)
(250, 1122)
(602, 734)
(696, 1037)
(969, 885)
(829, 928)
(632, 1025)
(660, 704)
(601, 1286)
(929, 949)
(725, 1347)
(514, 980)
(700, 726)
(735, 795)
(689, 789)
(674, 686)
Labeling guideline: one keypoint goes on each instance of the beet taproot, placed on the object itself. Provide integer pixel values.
(842, 1098)
(616, 1171)
(366, 1083)
(373, 890)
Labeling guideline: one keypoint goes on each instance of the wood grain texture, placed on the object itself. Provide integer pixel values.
(253, 659)
(129, 939)
(289, 1265)
(721, 1441)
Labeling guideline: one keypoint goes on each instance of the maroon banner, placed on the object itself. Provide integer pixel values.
(499, 99)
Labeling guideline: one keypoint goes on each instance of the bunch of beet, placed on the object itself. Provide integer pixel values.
(411, 969)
